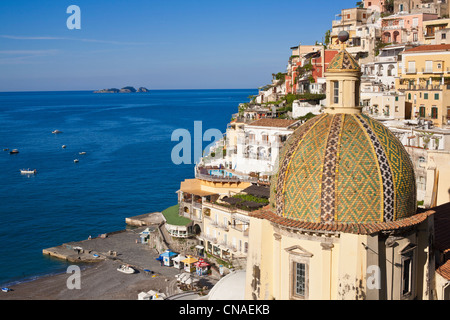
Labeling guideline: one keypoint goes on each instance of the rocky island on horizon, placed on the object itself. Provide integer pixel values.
(127, 89)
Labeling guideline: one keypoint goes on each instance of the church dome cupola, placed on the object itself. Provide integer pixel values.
(343, 166)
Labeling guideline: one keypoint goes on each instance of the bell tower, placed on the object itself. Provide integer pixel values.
(343, 78)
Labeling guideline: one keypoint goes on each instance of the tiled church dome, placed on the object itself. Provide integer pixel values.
(344, 168)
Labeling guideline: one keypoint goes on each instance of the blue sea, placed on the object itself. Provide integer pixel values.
(127, 169)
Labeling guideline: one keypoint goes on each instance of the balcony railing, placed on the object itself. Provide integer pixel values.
(436, 87)
(207, 177)
(209, 238)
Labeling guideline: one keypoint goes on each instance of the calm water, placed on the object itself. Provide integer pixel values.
(126, 171)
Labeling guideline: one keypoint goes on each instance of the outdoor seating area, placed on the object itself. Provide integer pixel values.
(188, 264)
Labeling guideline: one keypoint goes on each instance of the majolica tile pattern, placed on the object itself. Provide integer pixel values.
(343, 61)
(328, 195)
(344, 168)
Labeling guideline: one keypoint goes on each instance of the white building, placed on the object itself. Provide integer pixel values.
(384, 69)
(302, 108)
(258, 144)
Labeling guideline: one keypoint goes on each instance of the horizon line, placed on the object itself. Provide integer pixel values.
(92, 90)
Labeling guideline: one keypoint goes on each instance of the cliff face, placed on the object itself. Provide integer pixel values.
(128, 89)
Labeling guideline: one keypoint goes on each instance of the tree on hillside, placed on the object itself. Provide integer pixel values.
(389, 6)
(327, 37)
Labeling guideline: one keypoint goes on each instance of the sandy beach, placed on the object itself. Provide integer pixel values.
(101, 281)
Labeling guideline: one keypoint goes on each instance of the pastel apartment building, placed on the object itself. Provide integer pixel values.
(440, 7)
(436, 31)
(298, 59)
(364, 30)
(405, 28)
(375, 5)
(423, 77)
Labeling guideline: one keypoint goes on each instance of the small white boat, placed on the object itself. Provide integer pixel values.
(64, 146)
(28, 171)
(56, 131)
(82, 153)
(126, 269)
(6, 289)
(76, 160)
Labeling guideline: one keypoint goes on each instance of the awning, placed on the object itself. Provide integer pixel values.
(168, 254)
(179, 258)
(200, 247)
(201, 263)
(189, 260)
(193, 186)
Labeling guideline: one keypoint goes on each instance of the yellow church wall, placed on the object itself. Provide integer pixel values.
(259, 272)
(342, 266)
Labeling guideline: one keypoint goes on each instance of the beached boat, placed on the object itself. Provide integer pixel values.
(126, 269)
(14, 151)
(28, 171)
(6, 289)
(56, 131)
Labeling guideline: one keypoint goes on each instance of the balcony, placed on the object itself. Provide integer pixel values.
(254, 142)
(209, 238)
(222, 226)
(425, 88)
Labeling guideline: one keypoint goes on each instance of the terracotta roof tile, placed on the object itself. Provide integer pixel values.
(356, 228)
(431, 47)
(444, 270)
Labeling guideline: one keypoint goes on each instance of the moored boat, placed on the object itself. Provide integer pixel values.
(28, 171)
(126, 269)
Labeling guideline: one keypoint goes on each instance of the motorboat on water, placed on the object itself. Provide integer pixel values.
(76, 160)
(28, 171)
(64, 146)
(56, 131)
(14, 151)
(82, 153)
(126, 269)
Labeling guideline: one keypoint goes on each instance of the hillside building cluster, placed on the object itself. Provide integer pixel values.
(333, 181)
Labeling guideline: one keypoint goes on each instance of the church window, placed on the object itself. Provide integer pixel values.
(336, 92)
(300, 279)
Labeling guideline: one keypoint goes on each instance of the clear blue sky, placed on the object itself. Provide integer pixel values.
(156, 44)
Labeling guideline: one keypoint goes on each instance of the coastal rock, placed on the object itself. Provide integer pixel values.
(142, 89)
(112, 90)
(127, 89)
